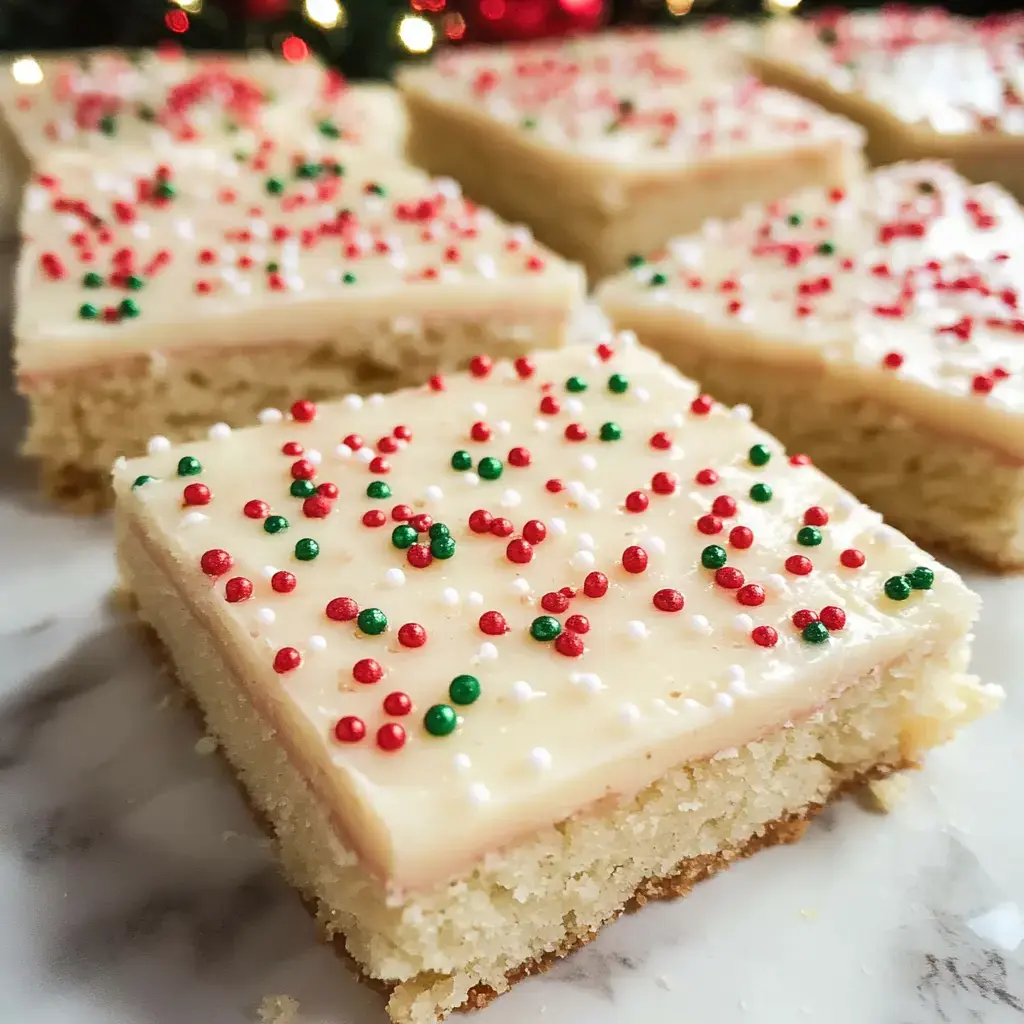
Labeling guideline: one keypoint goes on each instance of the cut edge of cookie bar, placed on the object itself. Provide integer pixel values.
(949, 493)
(581, 873)
(980, 157)
(83, 418)
(596, 214)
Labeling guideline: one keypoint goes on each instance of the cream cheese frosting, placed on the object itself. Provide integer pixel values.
(911, 282)
(165, 103)
(475, 608)
(270, 244)
(925, 68)
(644, 102)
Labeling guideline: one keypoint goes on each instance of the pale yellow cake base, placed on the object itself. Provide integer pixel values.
(598, 221)
(82, 419)
(458, 944)
(980, 157)
(945, 492)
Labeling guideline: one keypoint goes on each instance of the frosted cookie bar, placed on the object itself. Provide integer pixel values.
(530, 645)
(609, 151)
(878, 329)
(157, 299)
(925, 84)
(102, 104)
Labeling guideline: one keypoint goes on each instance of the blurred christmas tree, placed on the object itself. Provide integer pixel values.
(364, 38)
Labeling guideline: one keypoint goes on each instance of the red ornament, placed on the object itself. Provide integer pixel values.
(265, 8)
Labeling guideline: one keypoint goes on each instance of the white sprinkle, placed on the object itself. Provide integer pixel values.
(588, 462)
(394, 577)
(219, 431)
(433, 493)
(314, 456)
(268, 571)
(343, 451)
(474, 598)
(317, 643)
(742, 623)
(656, 544)
(503, 427)
(193, 518)
(479, 793)
(776, 583)
(486, 266)
(573, 406)
(641, 394)
(522, 691)
(158, 444)
(626, 338)
(637, 630)
(590, 501)
(558, 526)
(629, 713)
(847, 503)
(366, 455)
(677, 419)
(884, 535)
(585, 540)
(448, 187)
(185, 228)
(120, 462)
(266, 615)
(352, 402)
(724, 700)
(739, 687)
(462, 762)
(540, 426)
(469, 477)
(700, 624)
(583, 559)
(375, 399)
(520, 586)
(511, 498)
(689, 702)
(540, 758)
(742, 412)
(735, 672)
(590, 681)
(479, 409)
(487, 652)
(449, 597)
(270, 416)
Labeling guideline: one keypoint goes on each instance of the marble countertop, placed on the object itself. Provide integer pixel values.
(135, 889)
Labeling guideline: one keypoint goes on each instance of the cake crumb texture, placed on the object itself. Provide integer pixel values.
(278, 1010)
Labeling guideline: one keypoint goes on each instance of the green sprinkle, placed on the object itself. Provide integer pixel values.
(275, 524)
(634, 260)
(826, 249)
(165, 190)
(272, 267)
(146, 112)
(794, 220)
(378, 489)
(440, 720)
(815, 632)
(437, 531)
(713, 557)
(809, 536)
(307, 170)
(189, 465)
(897, 588)
(610, 432)
(759, 455)
(302, 488)
(348, 278)
(92, 280)
(334, 169)
(490, 468)
(921, 578)
(576, 385)
(545, 628)
(464, 689)
(462, 460)
(87, 311)
(275, 186)
(617, 384)
(761, 492)
(328, 130)
(135, 282)
(658, 279)
(529, 122)
(128, 308)
(108, 124)
(372, 621)
(404, 536)
(376, 190)
(306, 549)
(140, 480)
(442, 547)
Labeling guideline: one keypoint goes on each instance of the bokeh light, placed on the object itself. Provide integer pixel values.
(325, 13)
(26, 71)
(294, 50)
(416, 34)
(176, 21)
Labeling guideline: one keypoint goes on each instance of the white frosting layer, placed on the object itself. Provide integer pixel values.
(912, 282)
(272, 244)
(628, 479)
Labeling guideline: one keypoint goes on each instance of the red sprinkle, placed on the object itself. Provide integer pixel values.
(535, 531)
(741, 537)
(724, 506)
(350, 729)
(554, 602)
(304, 411)
(238, 588)
(419, 556)
(412, 634)
(729, 577)
(637, 501)
(196, 494)
(701, 405)
(374, 518)
(397, 703)
(519, 551)
(391, 736)
(634, 559)
(316, 507)
(256, 509)
(480, 521)
(709, 524)
(664, 483)
(668, 600)
(215, 562)
(815, 516)
(283, 582)
(804, 617)
(342, 609)
(367, 671)
(480, 366)
(519, 457)
(578, 623)
(706, 477)
(569, 643)
(798, 565)
(852, 558)
(287, 659)
(764, 636)
(493, 624)
(833, 617)
(595, 585)
(751, 595)
(502, 527)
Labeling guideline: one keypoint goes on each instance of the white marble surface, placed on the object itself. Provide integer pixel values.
(134, 889)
